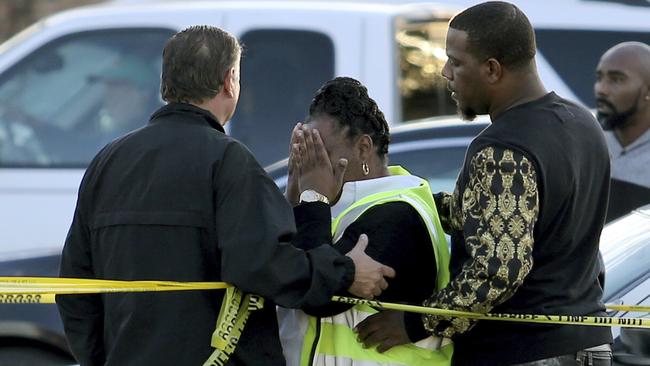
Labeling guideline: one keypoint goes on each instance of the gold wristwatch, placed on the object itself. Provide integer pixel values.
(313, 196)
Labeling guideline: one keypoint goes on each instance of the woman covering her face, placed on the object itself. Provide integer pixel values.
(341, 187)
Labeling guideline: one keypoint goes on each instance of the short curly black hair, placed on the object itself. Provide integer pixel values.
(347, 100)
(497, 29)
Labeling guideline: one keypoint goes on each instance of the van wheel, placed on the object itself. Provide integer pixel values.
(27, 356)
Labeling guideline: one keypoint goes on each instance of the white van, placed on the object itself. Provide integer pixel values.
(54, 78)
(53, 85)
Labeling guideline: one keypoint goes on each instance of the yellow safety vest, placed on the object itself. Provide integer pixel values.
(332, 341)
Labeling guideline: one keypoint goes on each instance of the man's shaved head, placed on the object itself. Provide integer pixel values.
(635, 54)
(623, 85)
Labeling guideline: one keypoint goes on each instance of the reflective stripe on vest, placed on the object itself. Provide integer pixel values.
(331, 341)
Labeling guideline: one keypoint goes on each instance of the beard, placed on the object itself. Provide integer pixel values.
(615, 119)
(467, 114)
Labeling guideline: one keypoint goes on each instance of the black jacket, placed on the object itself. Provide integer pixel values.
(179, 200)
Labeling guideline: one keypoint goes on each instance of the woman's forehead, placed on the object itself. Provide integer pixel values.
(329, 129)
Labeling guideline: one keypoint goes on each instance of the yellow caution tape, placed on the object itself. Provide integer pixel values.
(67, 286)
(41, 290)
(9, 298)
(599, 321)
(235, 310)
(18, 290)
(635, 308)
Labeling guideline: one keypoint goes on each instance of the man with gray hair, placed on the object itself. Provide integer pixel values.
(179, 200)
(622, 92)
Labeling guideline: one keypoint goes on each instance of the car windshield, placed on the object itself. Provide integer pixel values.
(625, 246)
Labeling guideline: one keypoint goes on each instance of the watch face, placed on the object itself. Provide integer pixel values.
(312, 196)
(308, 196)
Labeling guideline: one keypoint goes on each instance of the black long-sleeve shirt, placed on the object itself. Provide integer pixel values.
(525, 220)
(179, 200)
(496, 223)
(397, 237)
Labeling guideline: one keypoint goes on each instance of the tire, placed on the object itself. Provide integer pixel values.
(31, 356)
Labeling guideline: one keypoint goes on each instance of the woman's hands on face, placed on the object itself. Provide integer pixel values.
(316, 170)
(293, 185)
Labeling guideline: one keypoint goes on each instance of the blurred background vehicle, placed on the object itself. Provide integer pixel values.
(433, 149)
(58, 79)
(32, 334)
(61, 78)
(625, 246)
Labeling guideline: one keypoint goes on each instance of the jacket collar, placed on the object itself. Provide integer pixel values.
(191, 111)
(356, 190)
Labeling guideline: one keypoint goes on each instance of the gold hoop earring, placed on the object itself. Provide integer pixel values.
(365, 168)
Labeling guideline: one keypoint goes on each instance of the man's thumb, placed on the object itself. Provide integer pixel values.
(339, 171)
(362, 243)
(388, 271)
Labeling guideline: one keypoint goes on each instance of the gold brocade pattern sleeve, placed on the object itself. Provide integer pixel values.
(498, 211)
(443, 206)
(449, 215)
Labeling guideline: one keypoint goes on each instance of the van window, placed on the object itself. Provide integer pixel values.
(65, 101)
(280, 72)
(423, 90)
(574, 54)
